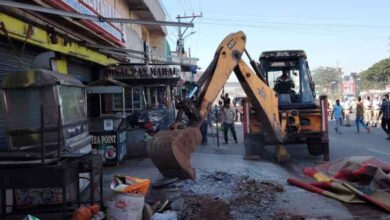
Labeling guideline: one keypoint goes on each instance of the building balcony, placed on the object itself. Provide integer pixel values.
(151, 10)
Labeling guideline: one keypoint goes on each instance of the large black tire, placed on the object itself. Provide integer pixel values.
(315, 146)
(254, 144)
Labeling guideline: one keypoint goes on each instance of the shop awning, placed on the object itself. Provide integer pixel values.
(38, 78)
(106, 86)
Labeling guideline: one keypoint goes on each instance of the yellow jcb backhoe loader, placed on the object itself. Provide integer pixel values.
(273, 117)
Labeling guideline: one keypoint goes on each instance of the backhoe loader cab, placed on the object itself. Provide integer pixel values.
(306, 116)
(274, 63)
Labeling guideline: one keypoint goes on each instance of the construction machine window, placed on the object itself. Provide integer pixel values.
(290, 79)
(273, 76)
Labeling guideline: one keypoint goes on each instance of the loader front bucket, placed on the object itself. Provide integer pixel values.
(170, 151)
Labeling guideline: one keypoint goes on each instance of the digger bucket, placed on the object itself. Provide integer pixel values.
(170, 151)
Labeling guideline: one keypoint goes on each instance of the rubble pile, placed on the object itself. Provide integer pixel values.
(220, 195)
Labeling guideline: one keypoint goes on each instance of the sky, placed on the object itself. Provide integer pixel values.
(351, 34)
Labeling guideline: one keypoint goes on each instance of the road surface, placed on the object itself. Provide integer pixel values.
(349, 143)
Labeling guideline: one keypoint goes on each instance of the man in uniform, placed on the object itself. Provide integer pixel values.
(368, 110)
(376, 104)
(347, 108)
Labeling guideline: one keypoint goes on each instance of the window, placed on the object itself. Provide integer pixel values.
(157, 97)
(72, 103)
(24, 107)
(294, 74)
(133, 99)
(307, 94)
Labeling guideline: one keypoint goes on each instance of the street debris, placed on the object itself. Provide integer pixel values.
(219, 195)
(128, 199)
(351, 180)
(88, 212)
(168, 215)
(164, 182)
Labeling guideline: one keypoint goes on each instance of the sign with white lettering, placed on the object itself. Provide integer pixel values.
(142, 72)
(103, 139)
(110, 31)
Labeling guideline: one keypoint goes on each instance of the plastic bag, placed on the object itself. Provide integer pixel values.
(129, 184)
(168, 215)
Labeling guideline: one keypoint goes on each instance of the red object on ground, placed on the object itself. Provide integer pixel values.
(304, 185)
(366, 178)
(85, 212)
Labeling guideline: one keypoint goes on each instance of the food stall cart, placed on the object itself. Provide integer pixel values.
(37, 99)
(150, 94)
(48, 159)
(108, 128)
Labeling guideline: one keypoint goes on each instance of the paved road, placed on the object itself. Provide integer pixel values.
(349, 143)
(228, 158)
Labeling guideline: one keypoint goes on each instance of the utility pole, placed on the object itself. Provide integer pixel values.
(180, 39)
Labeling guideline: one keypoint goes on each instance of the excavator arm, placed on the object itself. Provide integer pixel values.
(171, 150)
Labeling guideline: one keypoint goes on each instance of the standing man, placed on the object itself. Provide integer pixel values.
(204, 126)
(368, 110)
(385, 112)
(347, 109)
(377, 104)
(228, 123)
(338, 115)
(359, 115)
(226, 99)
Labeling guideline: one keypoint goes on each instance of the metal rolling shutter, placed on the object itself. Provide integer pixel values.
(80, 70)
(9, 62)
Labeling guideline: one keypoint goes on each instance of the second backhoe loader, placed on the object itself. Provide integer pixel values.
(272, 116)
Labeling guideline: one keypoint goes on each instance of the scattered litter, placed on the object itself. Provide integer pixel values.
(168, 215)
(164, 182)
(147, 212)
(129, 184)
(86, 212)
(219, 195)
(30, 217)
(163, 206)
(128, 199)
(351, 180)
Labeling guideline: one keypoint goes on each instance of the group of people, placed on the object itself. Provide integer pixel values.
(368, 113)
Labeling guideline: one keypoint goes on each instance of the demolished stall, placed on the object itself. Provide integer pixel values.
(149, 100)
(49, 142)
(109, 127)
(36, 97)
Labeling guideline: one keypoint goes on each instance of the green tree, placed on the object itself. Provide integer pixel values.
(323, 76)
(327, 79)
(377, 76)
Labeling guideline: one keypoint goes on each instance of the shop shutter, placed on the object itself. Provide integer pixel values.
(80, 70)
(10, 62)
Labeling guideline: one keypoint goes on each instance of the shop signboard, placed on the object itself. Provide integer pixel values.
(110, 31)
(111, 146)
(349, 88)
(142, 72)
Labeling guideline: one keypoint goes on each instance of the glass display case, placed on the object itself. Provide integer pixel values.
(45, 109)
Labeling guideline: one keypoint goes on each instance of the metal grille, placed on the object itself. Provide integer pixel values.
(10, 62)
(80, 71)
